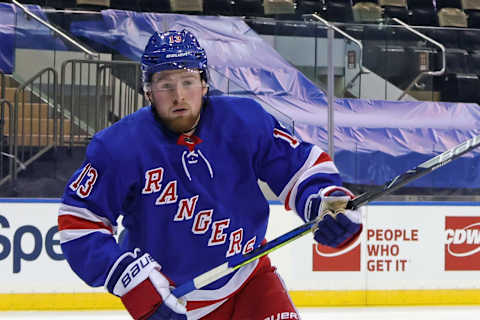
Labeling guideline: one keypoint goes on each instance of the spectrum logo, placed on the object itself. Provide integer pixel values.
(331, 259)
(462, 243)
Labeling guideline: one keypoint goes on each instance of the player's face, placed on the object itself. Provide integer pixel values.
(177, 97)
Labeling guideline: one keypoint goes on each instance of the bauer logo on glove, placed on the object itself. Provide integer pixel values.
(337, 227)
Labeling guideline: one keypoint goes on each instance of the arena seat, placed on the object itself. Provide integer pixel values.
(339, 11)
(474, 63)
(218, 7)
(423, 17)
(249, 8)
(452, 17)
(93, 4)
(367, 12)
(60, 4)
(354, 2)
(124, 5)
(278, 7)
(469, 39)
(460, 88)
(472, 9)
(186, 6)
(37, 2)
(154, 5)
(394, 9)
(440, 4)
(420, 4)
(311, 6)
(422, 13)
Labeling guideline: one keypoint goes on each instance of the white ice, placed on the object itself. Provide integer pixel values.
(366, 313)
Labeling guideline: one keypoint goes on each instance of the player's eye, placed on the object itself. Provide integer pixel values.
(188, 83)
(166, 86)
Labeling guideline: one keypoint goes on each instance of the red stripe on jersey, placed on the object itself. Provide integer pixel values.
(69, 222)
(324, 157)
(287, 200)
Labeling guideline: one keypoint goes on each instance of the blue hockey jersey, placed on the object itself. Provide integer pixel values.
(191, 202)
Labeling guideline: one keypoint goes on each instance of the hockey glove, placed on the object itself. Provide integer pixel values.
(143, 289)
(337, 226)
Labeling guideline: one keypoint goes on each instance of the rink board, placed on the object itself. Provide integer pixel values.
(408, 254)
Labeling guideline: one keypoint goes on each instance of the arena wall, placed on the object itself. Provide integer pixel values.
(408, 254)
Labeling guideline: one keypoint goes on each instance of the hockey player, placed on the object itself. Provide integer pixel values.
(183, 172)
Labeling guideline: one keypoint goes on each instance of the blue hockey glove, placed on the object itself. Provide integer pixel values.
(143, 289)
(338, 226)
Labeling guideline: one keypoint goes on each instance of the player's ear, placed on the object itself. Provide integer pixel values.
(204, 88)
(148, 95)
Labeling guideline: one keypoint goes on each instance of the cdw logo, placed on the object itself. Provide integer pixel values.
(462, 243)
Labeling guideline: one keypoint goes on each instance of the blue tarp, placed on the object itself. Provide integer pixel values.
(7, 38)
(19, 31)
(374, 140)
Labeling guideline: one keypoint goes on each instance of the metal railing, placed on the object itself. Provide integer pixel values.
(35, 120)
(6, 146)
(362, 70)
(330, 82)
(3, 84)
(423, 73)
(94, 94)
(90, 54)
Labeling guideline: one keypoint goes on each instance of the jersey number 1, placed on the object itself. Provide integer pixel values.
(83, 189)
(277, 133)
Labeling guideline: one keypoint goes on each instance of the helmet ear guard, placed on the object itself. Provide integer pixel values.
(172, 50)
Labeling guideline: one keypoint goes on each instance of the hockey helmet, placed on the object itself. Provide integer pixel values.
(172, 50)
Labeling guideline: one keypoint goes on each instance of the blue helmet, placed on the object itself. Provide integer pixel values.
(172, 50)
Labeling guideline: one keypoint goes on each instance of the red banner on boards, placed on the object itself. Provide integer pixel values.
(462, 243)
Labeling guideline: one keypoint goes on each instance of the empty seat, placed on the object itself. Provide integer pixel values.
(396, 12)
(186, 5)
(394, 9)
(423, 17)
(471, 4)
(37, 2)
(474, 19)
(448, 37)
(354, 2)
(457, 61)
(153, 5)
(420, 4)
(469, 40)
(123, 5)
(367, 12)
(474, 63)
(218, 7)
(392, 3)
(249, 8)
(440, 4)
(339, 11)
(460, 88)
(275, 7)
(98, 4)
(59, 4)
(385, 58)
(452, 17)
(311, 6)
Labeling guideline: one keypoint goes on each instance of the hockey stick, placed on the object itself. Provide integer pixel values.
(397, 182)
